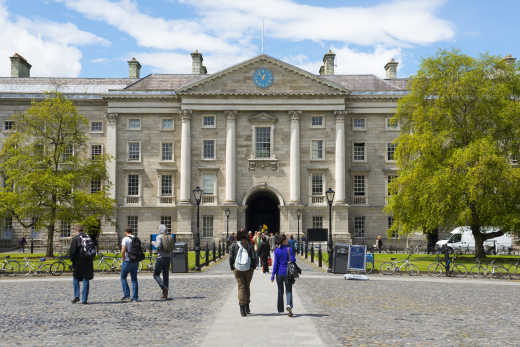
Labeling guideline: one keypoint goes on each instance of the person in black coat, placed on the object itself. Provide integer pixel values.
(83, 267)
(264, 252)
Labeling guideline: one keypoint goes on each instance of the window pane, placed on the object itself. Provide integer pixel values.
(133, 185)
(9, 125)
(167, 123)
(95, 185)
(317, 121)
(389, 180)
(132, 223)
(359, 226)
(65, 229)
(317, 222)
(134, 124)
(317, 149)
(359, 185)
(96, 126)
(263, 142)
(209, 121)
(167, 221)
(359, 123)
(96, 151)
(68, 152)
(359, 151)
(166, 185)
(208, 184)
(390, 151)
(207, 226)
(317, 184)
(209, 149)
(167, 151)
(134, 151)
(392, 124)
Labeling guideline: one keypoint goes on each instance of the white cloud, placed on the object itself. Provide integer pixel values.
(49, 47)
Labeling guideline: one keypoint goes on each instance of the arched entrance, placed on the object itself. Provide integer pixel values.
(263, 208)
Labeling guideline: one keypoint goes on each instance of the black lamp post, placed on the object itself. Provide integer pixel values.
(330, 199)
(197, 194)
(299, 214)
(227, 212)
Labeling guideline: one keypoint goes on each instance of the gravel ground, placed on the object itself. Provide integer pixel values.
(414, 313)
(40, 313)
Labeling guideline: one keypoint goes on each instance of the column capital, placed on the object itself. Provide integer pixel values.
(186, 114)
(111, 118)
(341, 114)
(231, 114)
(295, 115)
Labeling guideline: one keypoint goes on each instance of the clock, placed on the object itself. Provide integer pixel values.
(263, 77)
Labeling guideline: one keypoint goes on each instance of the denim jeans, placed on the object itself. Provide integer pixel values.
(129, 267)
(84, 293)
(282, 280)
(162, 265)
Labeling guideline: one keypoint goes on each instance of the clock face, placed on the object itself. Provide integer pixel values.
(263, 77)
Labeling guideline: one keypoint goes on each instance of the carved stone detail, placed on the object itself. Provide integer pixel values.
(231, 115)
(186, 114)
(295, 115)
(111, 118)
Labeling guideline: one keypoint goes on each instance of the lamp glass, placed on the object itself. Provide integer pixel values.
(227, 212)
(330, 195)
(197, 194)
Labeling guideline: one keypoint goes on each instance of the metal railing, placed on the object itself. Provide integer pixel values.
(208, 199)
(359, 200)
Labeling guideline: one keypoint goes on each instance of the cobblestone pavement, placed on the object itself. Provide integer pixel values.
(415, 313)
(40, 313)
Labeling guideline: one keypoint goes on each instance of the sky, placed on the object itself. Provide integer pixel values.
(96, 38)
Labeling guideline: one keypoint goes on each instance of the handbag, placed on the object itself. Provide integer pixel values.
(293, 270)
(269, 261)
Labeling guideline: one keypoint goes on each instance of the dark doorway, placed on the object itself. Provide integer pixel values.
(262, 208)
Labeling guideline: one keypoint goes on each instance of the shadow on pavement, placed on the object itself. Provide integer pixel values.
(150, 300)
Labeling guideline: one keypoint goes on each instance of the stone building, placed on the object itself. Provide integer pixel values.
(263, 139)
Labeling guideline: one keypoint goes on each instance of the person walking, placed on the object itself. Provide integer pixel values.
(282, 256)
(242, 261)
(379, 243)
(129, 266)
(82, 252)
(272, 242)
(164, 245)
(23, 243)
(292, 243)
(263, 253)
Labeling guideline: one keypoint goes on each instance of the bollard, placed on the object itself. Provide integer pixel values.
(32, 246)
(320, 255)
(312, 253)
(218, 250)
(207, 254)
(306, 249)
(214, 252)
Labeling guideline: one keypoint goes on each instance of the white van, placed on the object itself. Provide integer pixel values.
(461, 239)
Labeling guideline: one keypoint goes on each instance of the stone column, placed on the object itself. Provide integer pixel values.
(340, 157)
(185, 186)
(231, 159)
(294, 171)
(111, 150)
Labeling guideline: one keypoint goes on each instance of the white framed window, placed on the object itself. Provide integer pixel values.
(166, 188)
(392, 124)
(209, 121)
(359, 190)
(359, 151)
(359, 226)
(133, 185)
(134, 151)
(390, 151)
(317, 222)
(95, 185)
(68, 153)
(207, 226)
(388, 180)
(209, 182)
(167, 124)
(263, 142)
(96, 126)
(208, 149)
(65, 229)
(317, 184)
(359, 124)
(134, 124)
(317, 150)
(167, 221)
(317, 122)
(132, 223)
(390, 222)
(9, 125)
(96, 151)
(166, 151)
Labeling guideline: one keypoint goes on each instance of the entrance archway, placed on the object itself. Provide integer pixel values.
(263, 208)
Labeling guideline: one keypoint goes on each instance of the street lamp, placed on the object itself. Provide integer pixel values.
(330, 199)
(197, 194)
(299, 214)
(227, 212)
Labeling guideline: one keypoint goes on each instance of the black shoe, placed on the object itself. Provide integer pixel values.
(289, 309)
(248, 310)
(125, 298)
(243, 310)
(75, 300)
(84, 302)
(165, 293)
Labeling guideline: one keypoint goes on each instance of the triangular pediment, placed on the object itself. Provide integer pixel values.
(240, 80)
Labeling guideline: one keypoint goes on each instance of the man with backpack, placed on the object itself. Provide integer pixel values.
(132, 253)
(82, 253)
(164, 245)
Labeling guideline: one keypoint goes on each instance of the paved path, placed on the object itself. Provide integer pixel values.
(264, 327)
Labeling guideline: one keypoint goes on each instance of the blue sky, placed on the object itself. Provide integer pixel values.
(95, 38)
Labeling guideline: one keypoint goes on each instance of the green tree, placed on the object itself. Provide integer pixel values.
(460, 131)
(47, 171)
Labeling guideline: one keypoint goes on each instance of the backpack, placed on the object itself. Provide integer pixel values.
(293, 270)
(167, 243)
(88, 247)
(136, 253)
(242, 261)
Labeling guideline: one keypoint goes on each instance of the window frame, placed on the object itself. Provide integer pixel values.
(167, 129)
(395, 234)
(214, 149)
(205, 218)
(322, 149)
(92, 152)
(392, 128)
(136, 230)
(209, 174)
(315, 219)
(12, 128)
(162, 151)
(271, 149)
(134, 129)
(72, 153)
(128, 152)
(212, 126)
(363, 224)
(364, 185)
(322, 183)
(320, 126)
(96, 131)
(138, 185)
(364, 160)
(388, 144)
(160, 185)
(92, 182)
(354, 128)
(64, 225)
(168, 224)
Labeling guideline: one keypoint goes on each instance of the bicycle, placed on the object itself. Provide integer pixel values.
(399, 266)
(29, 266)
(58, 266)
(109, 263)
(8, 265)
(479, 269)
(514, 269)
(147, 264)
(439, 268)
(498, 271)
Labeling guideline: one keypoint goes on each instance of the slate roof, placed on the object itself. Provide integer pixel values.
(165, 81)
(367, 82)
(64, 85)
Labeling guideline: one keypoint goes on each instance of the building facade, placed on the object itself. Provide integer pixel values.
(263, 139)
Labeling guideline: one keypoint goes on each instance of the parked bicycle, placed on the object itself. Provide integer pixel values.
(30, 266)
(399, 266)
(479, 269)
(498, 271)
(148, 263)
(59, 265)
(9, 266)
(439, 268)
(109, 263)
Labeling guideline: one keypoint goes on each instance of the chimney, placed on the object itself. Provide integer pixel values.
(391, 69)
(328, 62)
(19, 66)
(196, 64)
(134, 68)
(509, 59)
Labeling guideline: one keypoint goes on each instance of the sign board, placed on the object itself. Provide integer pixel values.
(357, 257)
(317, 234)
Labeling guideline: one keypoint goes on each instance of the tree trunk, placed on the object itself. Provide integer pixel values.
(479, 242)
(50, 240)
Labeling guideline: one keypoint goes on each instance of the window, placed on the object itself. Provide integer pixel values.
(65, 229)
(134, 151)
(359, 185)
(166, 151)
(359, 124)
(317, 121)
(317, 150)
(132, 223)
(133, 185)
(389, 180)
(96, 127)
(68, 152)
(317, 222)
(96, 151)
(95, 185)
(390, 151)
(392, 124)
(317, 184)
(9, 125)
(395, 234)
(359, 152)
(207, 226)
(134, 124)
(359, 226)
(208, 122)
(166, 185)
(167, 123)
(208, 149)
(208, 184)
(7, 233)
(263, 142)
(35, 233)
(167, 221)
